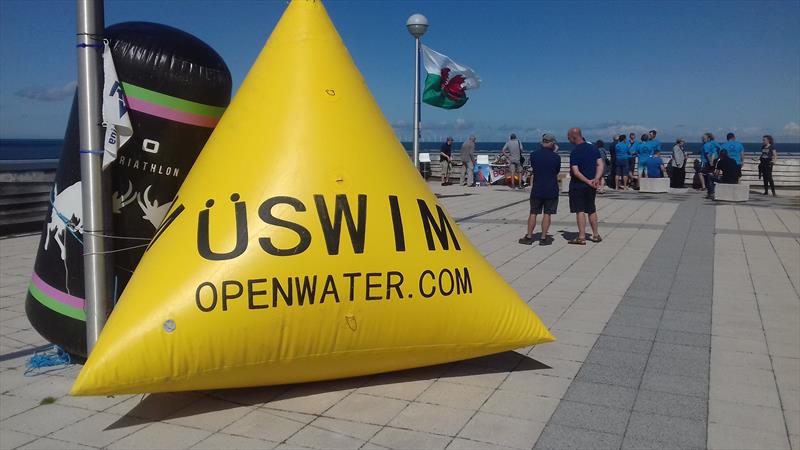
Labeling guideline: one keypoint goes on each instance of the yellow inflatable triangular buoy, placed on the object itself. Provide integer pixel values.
(290, 255)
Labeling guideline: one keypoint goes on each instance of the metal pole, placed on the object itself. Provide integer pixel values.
(416, 103)
(90, 28)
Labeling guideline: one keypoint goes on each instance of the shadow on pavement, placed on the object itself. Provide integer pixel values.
(568, 235)
(166, 406)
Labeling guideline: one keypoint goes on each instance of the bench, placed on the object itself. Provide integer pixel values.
(654, 185)
(732, 192)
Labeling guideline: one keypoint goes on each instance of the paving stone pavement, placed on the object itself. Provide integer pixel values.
(645, 382)
(721, 373)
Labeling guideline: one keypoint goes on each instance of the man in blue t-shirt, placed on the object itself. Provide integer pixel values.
(621, 167)
(655, 165)
(710, 150)
(642, 151)
(708, 157)
(653, 145)
(735, 149)
(545, 165)
(586, 169)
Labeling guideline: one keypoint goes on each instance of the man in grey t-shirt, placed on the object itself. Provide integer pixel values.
(513, 152)
(467, 155)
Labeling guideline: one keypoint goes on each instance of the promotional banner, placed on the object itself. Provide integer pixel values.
(116, 119)
(498, 174)
(482, 173)
(173, 109)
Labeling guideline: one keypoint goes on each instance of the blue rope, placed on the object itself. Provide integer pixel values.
(89, 45)
(92, 152)
(64, 218)
(56, 356)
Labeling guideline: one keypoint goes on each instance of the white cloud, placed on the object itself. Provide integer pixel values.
(792, 129)
(606, 130)
(48, 93)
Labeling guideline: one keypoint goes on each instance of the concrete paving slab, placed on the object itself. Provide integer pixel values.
(268, 425)
(44, 419)
(591, 417)
(666, 404)
(601, 395)
(367, 409)
(521, 405)
(537, 384)
(469, 444)
(455, 395)
(730, 437)
(161, 435)
(14, 439)
(47, 443)
(99, 430)
(399, 438)
(673, 432)
(502, 430)
(313, 437)
(746, 416)
(222, 441)
(434, 419)
(560, 437)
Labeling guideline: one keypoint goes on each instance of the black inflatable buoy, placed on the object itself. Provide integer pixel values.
(176, 88)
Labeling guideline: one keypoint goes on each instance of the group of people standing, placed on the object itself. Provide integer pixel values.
(628, 159)
(586, 167)
(468, 159)
(512, 150)
(623, 154)
(722, 163)
(589, 164)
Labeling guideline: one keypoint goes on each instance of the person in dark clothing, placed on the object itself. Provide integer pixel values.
(678, 163)
(697, 179)
(445, 159)
(586, 169)
(726, 171)
(766, 162)
(545, 165)
(606, 169)
(611, 180)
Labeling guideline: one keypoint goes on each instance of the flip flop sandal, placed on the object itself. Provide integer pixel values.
(577, 241)
(597, 239)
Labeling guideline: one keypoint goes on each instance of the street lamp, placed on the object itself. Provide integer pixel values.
(417, 25)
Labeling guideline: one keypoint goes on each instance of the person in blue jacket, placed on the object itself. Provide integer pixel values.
(653, 145)
(545, 165)
(735, 150)
(622, 164)
(708, 156)
(642, 150)
(655, 165)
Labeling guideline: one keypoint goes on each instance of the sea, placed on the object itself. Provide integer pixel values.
(48, 149)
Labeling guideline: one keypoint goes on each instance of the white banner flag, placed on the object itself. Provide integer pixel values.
(115, 110)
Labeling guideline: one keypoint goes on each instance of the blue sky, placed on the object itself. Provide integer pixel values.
(682, 67)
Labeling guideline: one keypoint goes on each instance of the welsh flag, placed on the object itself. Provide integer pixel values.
(447, 80)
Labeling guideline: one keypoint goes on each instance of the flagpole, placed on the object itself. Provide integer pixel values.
(90, 44)
(417, 25)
